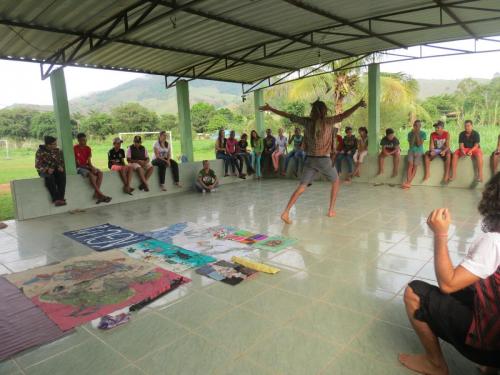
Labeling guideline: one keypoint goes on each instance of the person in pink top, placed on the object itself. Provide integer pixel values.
(232, 150)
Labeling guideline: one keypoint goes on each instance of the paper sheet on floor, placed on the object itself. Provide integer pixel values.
(261, 267)
(81, 289)
(227, 272)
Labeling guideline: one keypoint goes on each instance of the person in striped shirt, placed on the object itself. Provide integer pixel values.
(319, 130)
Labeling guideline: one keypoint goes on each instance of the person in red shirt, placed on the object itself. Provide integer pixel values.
(84, 167)
(232, 150)
(439, 145)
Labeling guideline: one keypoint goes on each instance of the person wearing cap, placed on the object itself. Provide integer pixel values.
(162, 158)
(468, 146)
(85, 168)
(416, 140)
(439, 145)
(49, 164)
(116, 162)
(495, 156)
(138, 160)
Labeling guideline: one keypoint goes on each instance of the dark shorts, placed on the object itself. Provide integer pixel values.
(315, 165)
(449, 316)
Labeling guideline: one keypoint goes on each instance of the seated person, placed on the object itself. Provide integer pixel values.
(116, 162)
(468, 146)
(232, 153)
(390, 147)
(439, 145)
(337, 146)
(84, 167)
(416, 140)
(281, 149)
(257, 144)
(138, 160)
(269, 148)
(244, 153)
(361, 151)
(495, 157)
(297, 152)
(162, 159)
(207, 180)
(220, 151)
(347, 153)
(464, 309)
(49, 164)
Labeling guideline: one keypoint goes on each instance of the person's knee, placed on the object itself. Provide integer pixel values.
(410, 298)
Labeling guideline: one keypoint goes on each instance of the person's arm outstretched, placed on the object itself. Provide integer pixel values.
(350, 111)
(267, 108)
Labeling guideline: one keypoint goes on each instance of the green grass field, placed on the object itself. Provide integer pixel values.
(21, 162)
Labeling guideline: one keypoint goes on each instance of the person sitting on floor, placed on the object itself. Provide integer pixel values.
(84, 167)
(495, 156)
(297, 153)
(244, 154)
(49, 164)
(464, 309)
(361, 151)
(281, 150)
(162, 159)
(232, 153)
(439, 145)
(138, 160)
(207, 180)
(116, 162)
(468, 146)
(416, 140)
(269, 147)
(390, 147)
(350, 145)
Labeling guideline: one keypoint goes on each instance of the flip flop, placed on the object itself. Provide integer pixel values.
(109, 321)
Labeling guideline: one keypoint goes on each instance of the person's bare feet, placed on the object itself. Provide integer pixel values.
(421, 364)
(394, 174)
(3, 225)
(425, 178)
(286, 218)
(331, 213)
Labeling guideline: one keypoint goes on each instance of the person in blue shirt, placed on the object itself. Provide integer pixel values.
(416, 140)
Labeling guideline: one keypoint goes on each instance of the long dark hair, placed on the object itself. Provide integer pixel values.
(489, 206)
(165, 143)
(222, 137)
(254, 136)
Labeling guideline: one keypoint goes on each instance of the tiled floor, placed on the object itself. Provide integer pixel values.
(335, 308)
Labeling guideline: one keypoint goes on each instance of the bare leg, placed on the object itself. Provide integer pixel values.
(381, 159)
(149, 172)
(99, 179)
(129, 178)
(140, 172)
(93, 183)
(395, 165)
(432, 362)
(454, 163)
(447, 163)
(123, 176)
(333, 197)
(285, 216)
(427, 162)
(409, 173)
(479, 167)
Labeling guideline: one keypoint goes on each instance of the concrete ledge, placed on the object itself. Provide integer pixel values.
(31, 198)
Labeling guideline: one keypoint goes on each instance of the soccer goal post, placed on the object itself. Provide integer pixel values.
(6, 143)
(169, 138)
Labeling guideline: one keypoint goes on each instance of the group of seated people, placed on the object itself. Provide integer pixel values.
(235, 153)
(49, 164)
(439, 146)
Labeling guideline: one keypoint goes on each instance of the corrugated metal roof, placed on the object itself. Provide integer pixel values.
(234, 40)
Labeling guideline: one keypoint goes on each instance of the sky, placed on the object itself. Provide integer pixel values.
(20, 82)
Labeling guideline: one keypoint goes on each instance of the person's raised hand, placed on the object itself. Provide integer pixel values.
(265, 107)
(439, 221)
(362, 103)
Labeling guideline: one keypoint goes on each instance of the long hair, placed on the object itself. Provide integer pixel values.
(165, 143)
(319, 110)
(222, 137)
(489, 206)
(254, 137)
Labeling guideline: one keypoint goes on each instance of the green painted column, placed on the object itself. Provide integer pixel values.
(258, 99)
(182, 88)
(373, 108)
(61, 111)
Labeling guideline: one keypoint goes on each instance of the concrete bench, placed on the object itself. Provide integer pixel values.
(31, 198)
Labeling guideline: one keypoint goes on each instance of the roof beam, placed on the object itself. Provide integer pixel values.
(259, 29)
(344, 21)
(454, 17)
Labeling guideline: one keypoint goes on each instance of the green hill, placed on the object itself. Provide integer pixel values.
(431, 87)
(151, 93)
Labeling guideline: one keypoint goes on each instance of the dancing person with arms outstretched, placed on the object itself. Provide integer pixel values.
(319, 131)
(464, 309)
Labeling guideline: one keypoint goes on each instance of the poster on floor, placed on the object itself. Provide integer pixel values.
(226, 272)
(81, 289)
(105, 237)
(167, 255)
(275, 243)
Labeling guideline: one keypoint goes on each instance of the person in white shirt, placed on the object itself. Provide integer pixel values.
(464, 309)
(162, 158)
(281, 149)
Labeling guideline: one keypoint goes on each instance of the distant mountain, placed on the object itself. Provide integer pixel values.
(432, 87)
(150, 92)
(31, 107)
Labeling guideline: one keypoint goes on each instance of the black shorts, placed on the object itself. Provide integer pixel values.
(449, 316)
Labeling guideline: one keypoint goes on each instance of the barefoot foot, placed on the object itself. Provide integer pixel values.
(286, 218)
(331, 213)
(422, 364)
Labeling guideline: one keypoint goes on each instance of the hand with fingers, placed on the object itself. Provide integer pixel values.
(439, 221)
